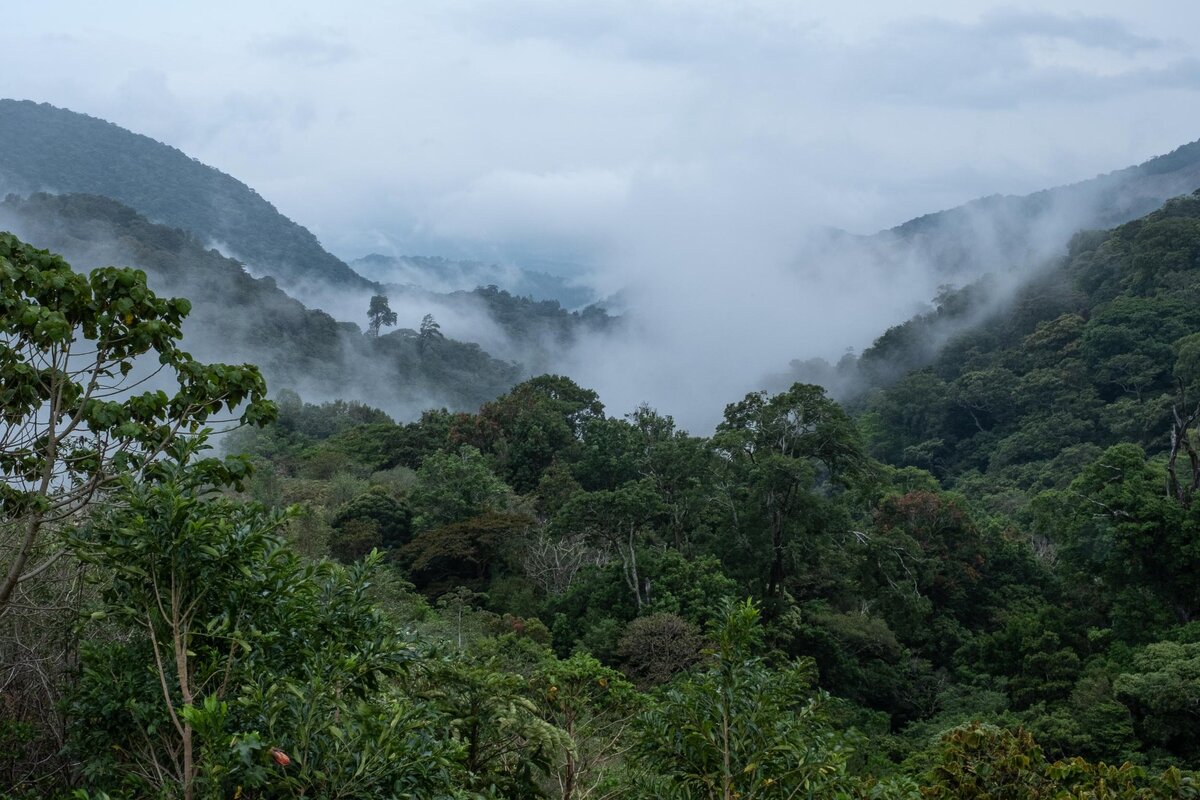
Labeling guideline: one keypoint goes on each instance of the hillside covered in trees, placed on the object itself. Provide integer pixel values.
(238, 317)
(1094, 352)
(1000, 232)
(48, 149)
(974, 579)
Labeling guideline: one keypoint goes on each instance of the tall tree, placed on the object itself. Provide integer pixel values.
(429, 333)
(526, 429)
(456, 486)
(780, 447)
(619, 519)
(379, 314)
(1119, 526)
(230, 667)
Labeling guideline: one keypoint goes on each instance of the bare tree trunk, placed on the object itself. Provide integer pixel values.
(634, 582)
(775, 577)
(13, 576)
(1181, 438)
(569, 770)
(180, 635)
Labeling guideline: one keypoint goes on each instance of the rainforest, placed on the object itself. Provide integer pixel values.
(599, 401)
(975, 579)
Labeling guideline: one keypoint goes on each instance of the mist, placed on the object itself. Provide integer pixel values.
(740, 304)
(716, 299)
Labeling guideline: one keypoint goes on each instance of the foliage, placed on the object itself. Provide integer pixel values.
(69, 347)
(508, 745)
(737, 728)
(594, 706)
(392, 519)
(248, 649)
(1116, 522)
(1162, 689)
(986, 762)
(462, 553)
(454, 487)
(1004, 609)
(526, 429)
(778, 449)
(379, 314)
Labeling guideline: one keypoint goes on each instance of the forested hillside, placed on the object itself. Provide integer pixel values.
(999, 233)
(236, 317)
(74, 152)
(1094, 352)
(978, 580)
(48, 149)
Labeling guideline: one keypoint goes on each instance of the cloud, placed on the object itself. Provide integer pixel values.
(510, 205)
(1099, 32)
(305, 48)
(1011, 59)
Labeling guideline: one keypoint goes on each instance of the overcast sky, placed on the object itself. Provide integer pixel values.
(555, 127)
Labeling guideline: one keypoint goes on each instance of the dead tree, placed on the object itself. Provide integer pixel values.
(1181, 438)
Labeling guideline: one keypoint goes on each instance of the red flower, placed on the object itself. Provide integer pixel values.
(281, 758)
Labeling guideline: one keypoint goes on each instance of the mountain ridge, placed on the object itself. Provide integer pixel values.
(75, 152)
(1005, 231)
(78, 153)
(238, 317)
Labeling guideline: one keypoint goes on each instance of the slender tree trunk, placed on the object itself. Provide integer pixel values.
(1181, 439)
(726, 766)
(633, 570)
(568, 786)
(180, 630)
(775, 577)
(13, 576)
(473, 741)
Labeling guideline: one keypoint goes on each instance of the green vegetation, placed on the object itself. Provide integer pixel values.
(1024, 229)
(1095, 352)
(77, 153)
(976, 580)
(236, 316)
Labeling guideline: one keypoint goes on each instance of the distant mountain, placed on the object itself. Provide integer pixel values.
(236, 317)
(43, 148)
(448, 275)
(49, 149)
(539, 334)
(1003, 233)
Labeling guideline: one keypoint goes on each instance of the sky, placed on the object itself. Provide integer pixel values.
(683, 147)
